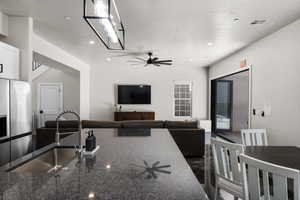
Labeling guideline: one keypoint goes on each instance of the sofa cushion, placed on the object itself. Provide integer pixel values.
(143, 124)
(187, 131)
(100, 124)
(46, 136)
(181, 124)
(62, 124)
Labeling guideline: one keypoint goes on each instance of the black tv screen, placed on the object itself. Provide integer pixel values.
(134, 94)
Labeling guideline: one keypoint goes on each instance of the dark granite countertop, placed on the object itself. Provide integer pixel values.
(117, 172)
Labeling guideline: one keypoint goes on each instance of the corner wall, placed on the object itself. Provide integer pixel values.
(45, 48)
(20, 31)
(275, 80)
(3, 24)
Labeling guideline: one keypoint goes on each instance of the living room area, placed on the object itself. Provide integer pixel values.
(110, 99)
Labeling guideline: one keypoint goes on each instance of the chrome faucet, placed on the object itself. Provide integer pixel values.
(57, 138)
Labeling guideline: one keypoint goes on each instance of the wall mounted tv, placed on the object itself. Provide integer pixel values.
(134, 94)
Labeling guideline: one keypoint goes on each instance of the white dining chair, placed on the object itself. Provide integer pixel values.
(257, 175)
(206, 125)
(227, 168)
(254, 137)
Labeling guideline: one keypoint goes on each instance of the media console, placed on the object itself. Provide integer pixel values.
(123, 116)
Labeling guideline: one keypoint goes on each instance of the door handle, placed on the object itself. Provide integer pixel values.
(41, 111)
(1, 68)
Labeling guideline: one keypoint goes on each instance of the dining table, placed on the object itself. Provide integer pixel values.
(286, 156)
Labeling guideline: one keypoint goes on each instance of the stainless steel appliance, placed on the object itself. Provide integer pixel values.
(20, 108)
(15, 119)
(4, 109)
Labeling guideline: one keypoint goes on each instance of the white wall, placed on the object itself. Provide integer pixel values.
(71, 87)
(275, 80)
(3, 24)
(106, 75)
(20, 31)
(45, 48)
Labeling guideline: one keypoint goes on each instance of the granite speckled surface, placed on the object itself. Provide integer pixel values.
(125, 168)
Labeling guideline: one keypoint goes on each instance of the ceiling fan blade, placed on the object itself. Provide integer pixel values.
(133, 53)
(142, 59)
(154, 59)
(146, 65)
(164, 61)
(135, 61)
(156, 64)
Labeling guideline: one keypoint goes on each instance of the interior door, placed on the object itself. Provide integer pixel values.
(222, 105)
(50, 101)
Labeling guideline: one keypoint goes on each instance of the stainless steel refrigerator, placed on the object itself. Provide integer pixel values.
(20, 108)
(20, 118)
(4, 109)
(15, 119)
(4, 122)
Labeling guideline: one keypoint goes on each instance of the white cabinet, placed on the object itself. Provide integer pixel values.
(9, 61)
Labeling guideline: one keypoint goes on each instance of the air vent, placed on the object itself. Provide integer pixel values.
(255, 22)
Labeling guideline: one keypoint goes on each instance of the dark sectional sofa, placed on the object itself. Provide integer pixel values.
(139, 124)
(46, 135)
(188, 136)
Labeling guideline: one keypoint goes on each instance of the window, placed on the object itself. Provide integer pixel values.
(183, 99)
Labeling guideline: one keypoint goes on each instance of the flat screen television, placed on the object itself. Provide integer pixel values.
(134, 94)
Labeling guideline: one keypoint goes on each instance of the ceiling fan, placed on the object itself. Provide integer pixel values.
(150, 61)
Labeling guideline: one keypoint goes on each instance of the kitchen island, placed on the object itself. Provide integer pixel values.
(124, 168)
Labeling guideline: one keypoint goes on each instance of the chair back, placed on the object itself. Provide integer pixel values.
(254, 137)
(206, 125)
(226, 159)
(263, 180)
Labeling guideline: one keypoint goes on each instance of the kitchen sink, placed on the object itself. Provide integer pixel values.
(52, 160)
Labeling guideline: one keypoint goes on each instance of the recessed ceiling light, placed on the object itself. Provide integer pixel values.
(108, 166)
(67, 18)
(210, 44)
(108, 59)
(91, 42)
(235, 20)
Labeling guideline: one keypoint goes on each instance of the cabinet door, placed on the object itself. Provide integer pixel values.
(9, 62)
(4, 153)
(21, 147)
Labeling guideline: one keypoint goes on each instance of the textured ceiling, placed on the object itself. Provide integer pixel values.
(180, 30)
